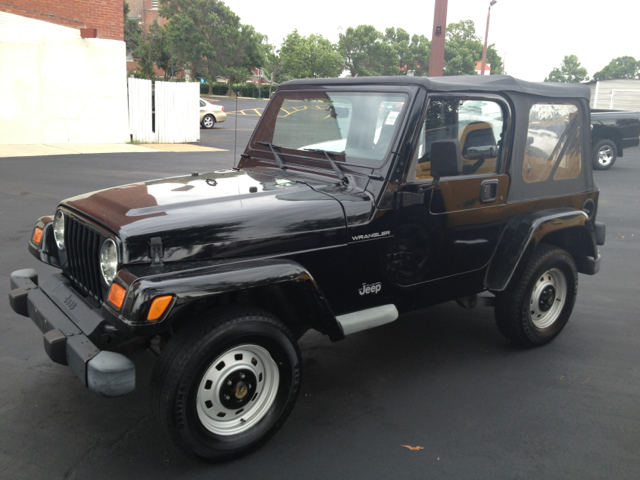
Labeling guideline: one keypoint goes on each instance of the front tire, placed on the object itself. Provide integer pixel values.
(208, 121)
(223, 387)
(539, 300)
(604, 155)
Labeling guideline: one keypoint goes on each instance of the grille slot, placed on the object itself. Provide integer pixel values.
(83, 243)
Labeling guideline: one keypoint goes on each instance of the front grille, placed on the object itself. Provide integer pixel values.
(83, 243)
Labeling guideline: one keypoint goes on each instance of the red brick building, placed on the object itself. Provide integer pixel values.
(145, 12)
(106, 16)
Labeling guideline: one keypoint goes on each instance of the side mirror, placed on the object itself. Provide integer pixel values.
(446, 160)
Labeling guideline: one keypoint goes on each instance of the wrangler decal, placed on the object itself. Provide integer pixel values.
(367, 236)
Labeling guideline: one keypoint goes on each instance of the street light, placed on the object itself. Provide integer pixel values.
(486, 36)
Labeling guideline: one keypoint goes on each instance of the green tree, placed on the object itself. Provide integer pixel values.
(161, 52)
(494, 60)
(569, 72)
(621, 67)
(400, 42)
(463, 49)
(237, 58)
(153, 49)
(463, 31)
(186, 41)
(420, 49)
(208, 36)
(366, 51)
(132, 30)
(273, 67)
(309, 57)
(412, 53)
(143, 54)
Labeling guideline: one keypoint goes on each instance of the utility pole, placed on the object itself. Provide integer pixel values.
(436, 60)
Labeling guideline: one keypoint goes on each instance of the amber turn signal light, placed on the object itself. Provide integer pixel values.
(116, 295)
(37, 235)
(158, 307)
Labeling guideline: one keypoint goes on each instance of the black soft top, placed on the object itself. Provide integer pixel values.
(469, 83)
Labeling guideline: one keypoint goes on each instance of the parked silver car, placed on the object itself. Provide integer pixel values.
(211, 114)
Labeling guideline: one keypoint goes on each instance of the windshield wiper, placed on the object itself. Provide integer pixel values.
(343, 178)
(275, 154)
(339, 172)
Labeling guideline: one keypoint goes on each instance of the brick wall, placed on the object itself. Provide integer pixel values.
(104, 15)
(149, 14)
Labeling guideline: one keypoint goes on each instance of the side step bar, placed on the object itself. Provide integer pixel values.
(366, 319)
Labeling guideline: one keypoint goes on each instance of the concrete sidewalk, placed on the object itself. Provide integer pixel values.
(69, 149)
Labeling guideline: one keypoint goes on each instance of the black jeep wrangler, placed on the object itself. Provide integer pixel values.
(356, 200)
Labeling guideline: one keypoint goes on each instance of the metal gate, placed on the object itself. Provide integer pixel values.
(163, 112)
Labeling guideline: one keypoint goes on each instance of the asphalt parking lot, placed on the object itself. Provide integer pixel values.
(241, 119)
(443, 379)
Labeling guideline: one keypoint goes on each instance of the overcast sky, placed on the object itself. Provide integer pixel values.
(531, 37)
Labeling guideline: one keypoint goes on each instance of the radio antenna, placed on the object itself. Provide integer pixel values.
(235, 131)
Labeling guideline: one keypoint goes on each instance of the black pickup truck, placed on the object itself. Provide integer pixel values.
(611, 132)
(355, 201)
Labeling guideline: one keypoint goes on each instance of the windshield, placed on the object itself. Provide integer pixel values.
(358, 126)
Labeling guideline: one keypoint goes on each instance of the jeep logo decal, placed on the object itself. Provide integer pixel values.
(70, 302)
(372, 288)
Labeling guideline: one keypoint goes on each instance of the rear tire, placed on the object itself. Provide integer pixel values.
(604, 155)
(539, 300)
(208, 121)
(223, 387)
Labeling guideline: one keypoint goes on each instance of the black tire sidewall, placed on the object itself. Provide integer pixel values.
(204, 119)
(596, 149)
(189, 430)
(512, 306)
(564, 263)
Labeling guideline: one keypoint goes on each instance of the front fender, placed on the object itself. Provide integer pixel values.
(564, 227)
(203, 285)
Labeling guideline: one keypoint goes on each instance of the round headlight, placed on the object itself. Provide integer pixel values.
(58, 229)
(109, 260)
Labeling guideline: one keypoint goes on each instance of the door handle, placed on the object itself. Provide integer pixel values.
(489, 191)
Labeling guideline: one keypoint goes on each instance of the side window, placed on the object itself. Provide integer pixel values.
(553, 143)
(477, 124)
(202, 104)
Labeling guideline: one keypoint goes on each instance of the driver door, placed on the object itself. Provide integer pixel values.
(455, 228)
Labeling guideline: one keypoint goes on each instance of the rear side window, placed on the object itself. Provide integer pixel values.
(553, 143)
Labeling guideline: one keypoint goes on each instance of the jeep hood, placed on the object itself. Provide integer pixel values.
(220, 214)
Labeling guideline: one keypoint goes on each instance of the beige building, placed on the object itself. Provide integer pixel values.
(67, 79)
(623, 94)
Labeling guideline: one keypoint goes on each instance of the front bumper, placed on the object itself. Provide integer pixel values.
(68, 322)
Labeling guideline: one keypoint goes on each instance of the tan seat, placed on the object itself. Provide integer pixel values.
(478, 134)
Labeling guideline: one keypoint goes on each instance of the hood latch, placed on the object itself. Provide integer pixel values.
(156, 252)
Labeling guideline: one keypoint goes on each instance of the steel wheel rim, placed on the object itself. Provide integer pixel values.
(208, 121)
(215, 412)
(605, 155)
(548, 298)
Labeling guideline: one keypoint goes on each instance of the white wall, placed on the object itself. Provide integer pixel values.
(56, 87)
(625, 92)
